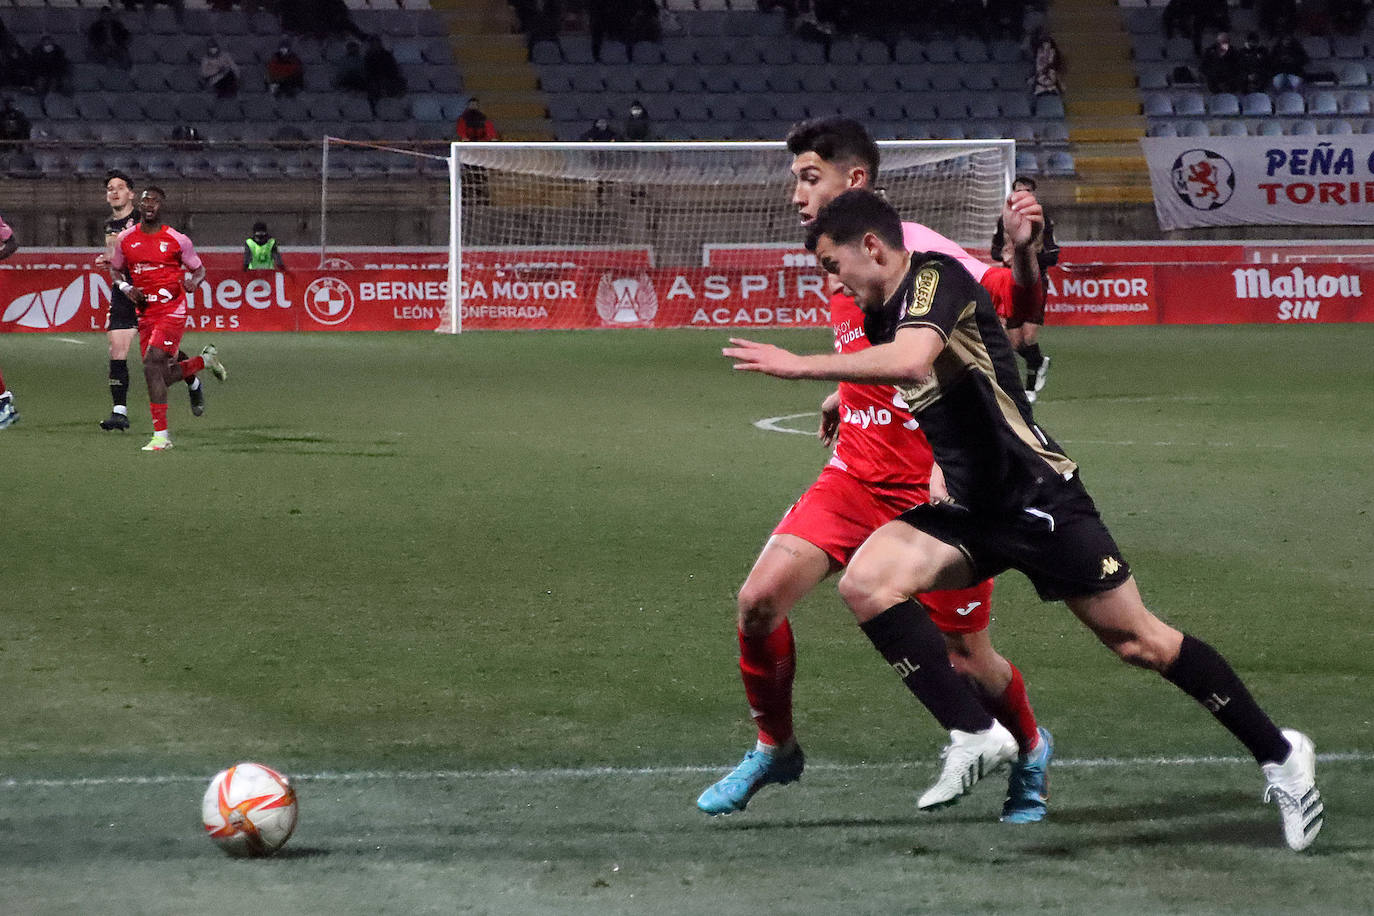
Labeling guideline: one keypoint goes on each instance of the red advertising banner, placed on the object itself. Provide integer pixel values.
(70, 299)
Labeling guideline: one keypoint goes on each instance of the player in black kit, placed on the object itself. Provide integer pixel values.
(121, 326)
(1015, 500)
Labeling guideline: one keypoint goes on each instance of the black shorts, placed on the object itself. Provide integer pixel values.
(1033, 312)
(123, 316)
(1059, 541)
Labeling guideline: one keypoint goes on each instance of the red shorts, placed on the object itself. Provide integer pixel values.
(838, 513)
(161, 329)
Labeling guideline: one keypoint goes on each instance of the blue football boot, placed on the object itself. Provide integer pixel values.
(756, 770)
(1028, 789)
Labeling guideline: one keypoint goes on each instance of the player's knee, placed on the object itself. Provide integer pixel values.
(760, 609)
(1140, 652)
(866, 593)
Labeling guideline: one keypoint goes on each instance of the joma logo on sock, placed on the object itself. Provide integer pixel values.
(905, 667)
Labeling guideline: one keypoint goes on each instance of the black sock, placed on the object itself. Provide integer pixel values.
(119, 382)
(913, 646)
(1204, 675)
(1032, 355)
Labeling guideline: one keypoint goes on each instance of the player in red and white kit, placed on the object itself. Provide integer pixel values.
(8, 415)
(881, 466)
(149, 265)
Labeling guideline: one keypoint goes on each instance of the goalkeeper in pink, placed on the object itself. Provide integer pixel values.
(881, 466)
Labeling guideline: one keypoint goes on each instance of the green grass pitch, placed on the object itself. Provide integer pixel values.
(476, 594)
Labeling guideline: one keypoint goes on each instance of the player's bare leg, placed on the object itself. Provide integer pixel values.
(120, 340)
(1121, 621)
(896, 562)
(787, 569)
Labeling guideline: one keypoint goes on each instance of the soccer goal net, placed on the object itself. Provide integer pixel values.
(699, 234)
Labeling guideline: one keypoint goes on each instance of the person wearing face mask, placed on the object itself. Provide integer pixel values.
(50, 67)
(285, 71)
(638, 126)
(218, 72)
(261, 251)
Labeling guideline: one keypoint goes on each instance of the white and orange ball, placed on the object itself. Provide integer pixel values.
(249, 810)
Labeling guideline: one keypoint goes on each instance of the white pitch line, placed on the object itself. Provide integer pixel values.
(71, 340)
(771, 424)
(551, 774)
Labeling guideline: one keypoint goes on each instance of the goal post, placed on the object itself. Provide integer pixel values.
(535, 226)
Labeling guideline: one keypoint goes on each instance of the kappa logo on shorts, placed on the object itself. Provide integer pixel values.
(1110, 567)
(923, 292)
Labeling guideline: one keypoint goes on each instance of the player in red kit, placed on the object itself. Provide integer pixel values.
(149, 265)
(881, 466)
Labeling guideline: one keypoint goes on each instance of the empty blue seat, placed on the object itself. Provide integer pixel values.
(546, 52)
(1193, 129)
(1014, 105)
(1352, 74)
(1271, 127)
(1231, 127)
(1303, 128)
(1355, 103)
(646, 52)
(1323, 103)
(1223, 104)
(1027, 163)
(1189, 104)
(1289, 103)
(1049, 106)
(1257, 104)
(1340, 127)
(614, 52)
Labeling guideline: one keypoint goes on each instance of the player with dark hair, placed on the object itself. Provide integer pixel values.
(1024, 323)
(121, 324)
(149, 266)
(881, 466)
(1015, 501)
(8, 414)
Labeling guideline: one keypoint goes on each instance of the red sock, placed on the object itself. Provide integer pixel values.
(767, 665)
(159, 417)
(190, 367)
(3, 389)
(1013, 710)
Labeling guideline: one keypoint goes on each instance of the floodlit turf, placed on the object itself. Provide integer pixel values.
(432, 559)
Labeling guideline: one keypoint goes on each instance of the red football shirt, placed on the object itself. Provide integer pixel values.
(879, 442)
(156, 262)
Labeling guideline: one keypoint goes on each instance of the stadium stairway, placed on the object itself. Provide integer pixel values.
(1102, 101)
(494, 62)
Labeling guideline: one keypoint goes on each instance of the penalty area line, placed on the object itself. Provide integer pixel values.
(553, 774)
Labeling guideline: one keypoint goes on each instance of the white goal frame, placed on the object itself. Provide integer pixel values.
(453, 318)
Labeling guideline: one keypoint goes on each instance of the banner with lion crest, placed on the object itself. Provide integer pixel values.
(1325, 180)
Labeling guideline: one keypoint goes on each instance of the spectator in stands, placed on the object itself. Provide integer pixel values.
(1049, 68)
(1256, 70)
(349, 74)
(1179, 16)
(1277, 17)
(600, 132)
(109, 40)
(184, 136)
(50, 68)
(1347, 15)
(218, 71)
(382, 77)
(808, 26)
(285, 71)
(14, 124)
(260, 250)
(1289, 60)
(473, 124)
(638, 125)
(1221, 66)
(14, 60)
(318, 18)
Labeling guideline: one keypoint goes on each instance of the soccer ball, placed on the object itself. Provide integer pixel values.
(249, 810)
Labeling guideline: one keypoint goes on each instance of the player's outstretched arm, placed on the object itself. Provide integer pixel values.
(907, 360)
(1023, 217)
